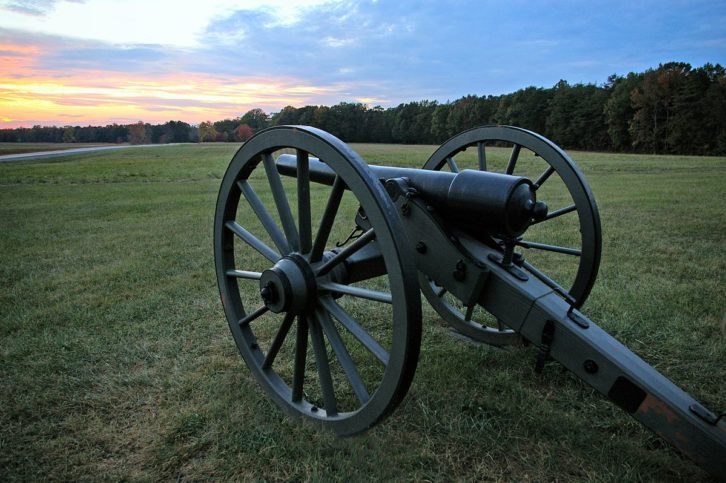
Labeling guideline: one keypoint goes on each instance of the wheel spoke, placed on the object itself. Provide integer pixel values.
(321, 362)
(283, 207)
(549, 248)
(301, 350)
(326, 223)
(452, 164)
(513, 158)
(556, 213)
(272, 229)
(360, 292)
(303, 200)
(243, 274)
(253, 241)
(249, 318)
(346, 252)
(343, 356)
(469, 312)
(481, 155)
(355, 329)
(278, 340)
(543, 177)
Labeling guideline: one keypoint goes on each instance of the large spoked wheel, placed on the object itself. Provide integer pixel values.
(563, 250)
(337, 353)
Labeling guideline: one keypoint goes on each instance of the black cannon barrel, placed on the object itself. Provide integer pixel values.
(502, 204)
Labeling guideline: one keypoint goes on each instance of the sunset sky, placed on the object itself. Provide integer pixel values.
(96, 62)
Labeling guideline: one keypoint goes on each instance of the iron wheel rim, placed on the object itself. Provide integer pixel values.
(583, 204)
(405, 330)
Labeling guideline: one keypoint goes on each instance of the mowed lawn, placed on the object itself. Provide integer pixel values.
(116, 361)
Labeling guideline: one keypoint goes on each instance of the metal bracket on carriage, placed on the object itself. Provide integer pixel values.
(510, 260)
(434, 248)
(354, 235)
(361, 226)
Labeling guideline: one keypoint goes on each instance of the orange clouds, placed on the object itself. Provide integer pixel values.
(105, 97)
(31, 93)
(16, 59)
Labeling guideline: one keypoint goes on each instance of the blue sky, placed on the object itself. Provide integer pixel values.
(98, 61)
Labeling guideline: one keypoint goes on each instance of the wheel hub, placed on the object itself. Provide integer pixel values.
(289, 285)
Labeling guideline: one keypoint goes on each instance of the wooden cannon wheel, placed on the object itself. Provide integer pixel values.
(342, 355)
(563, 250)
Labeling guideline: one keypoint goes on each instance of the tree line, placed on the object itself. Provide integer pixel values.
(672, 109)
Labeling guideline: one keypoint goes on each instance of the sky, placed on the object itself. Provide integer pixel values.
(95, 62)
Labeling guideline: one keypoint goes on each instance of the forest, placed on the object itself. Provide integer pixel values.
(671, 109)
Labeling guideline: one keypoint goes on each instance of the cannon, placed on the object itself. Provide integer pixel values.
(321, 259)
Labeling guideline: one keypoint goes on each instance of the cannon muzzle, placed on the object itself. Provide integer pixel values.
(499, 204)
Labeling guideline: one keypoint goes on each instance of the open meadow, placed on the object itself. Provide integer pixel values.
(116, 361)
(21, 148)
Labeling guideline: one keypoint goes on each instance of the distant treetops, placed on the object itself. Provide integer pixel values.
(671, 109)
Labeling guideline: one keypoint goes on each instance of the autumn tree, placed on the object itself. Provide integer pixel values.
(243, 132)
(225, 129)
(207, 131)
(139, 133)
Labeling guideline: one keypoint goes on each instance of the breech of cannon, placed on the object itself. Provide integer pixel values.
(496, 204)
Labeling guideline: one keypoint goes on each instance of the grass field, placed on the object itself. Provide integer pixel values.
(20, 148)
(116, 361)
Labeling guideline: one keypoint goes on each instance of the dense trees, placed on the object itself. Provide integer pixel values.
(679, 109)
(673, 108)
(576, 116)
(256, 119)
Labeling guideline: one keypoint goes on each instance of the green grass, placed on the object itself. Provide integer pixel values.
(116, 361)
(20, 148)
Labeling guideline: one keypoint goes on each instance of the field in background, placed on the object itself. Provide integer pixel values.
(116, 361)
(20, 148)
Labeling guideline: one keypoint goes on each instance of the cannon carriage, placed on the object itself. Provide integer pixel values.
(321, 260)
